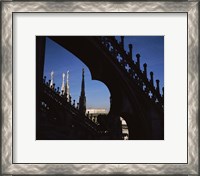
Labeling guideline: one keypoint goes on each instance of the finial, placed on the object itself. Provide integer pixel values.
(63, 84)
(67, 92)
(67, 75)
(138, 59)
(145, 69)
(51, 82)
(157, 86)
(63, 75)
(151, 79)
(130, 50)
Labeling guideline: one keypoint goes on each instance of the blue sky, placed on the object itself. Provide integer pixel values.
(58, 59)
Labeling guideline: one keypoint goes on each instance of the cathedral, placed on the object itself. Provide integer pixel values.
(134, 97)
(65, 90)
(62, 119)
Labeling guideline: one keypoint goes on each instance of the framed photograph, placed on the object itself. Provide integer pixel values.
(99, 87)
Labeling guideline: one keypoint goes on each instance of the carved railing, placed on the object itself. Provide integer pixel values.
(124, 59)
(62, 101)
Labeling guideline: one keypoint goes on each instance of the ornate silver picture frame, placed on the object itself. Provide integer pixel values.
(8, 10)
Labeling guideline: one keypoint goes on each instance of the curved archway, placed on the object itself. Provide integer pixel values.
(60, 60)
(129, 100)
(123, 99)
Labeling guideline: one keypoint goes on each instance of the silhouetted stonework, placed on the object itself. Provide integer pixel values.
(133, 96)
(82, 99)
(60, 119)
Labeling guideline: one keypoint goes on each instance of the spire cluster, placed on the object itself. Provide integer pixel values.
(61, 100)
(65, 86)
(64, 93)
(65, 90)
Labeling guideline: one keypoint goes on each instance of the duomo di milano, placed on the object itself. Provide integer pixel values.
(65, 92)
(93, 114)
(133, 95)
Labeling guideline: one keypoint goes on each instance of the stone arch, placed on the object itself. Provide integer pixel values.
(77, 61)
(127, 100)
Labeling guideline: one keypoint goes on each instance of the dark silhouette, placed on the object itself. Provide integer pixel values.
(133, 96)
(82, 99)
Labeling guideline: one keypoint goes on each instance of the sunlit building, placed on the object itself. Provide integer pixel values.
(92, 113)
(124, 129)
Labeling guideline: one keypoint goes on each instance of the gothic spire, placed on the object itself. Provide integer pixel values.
(52, 75)
(67, 86)
(82, 99)
(83, 83)
(63, 85)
